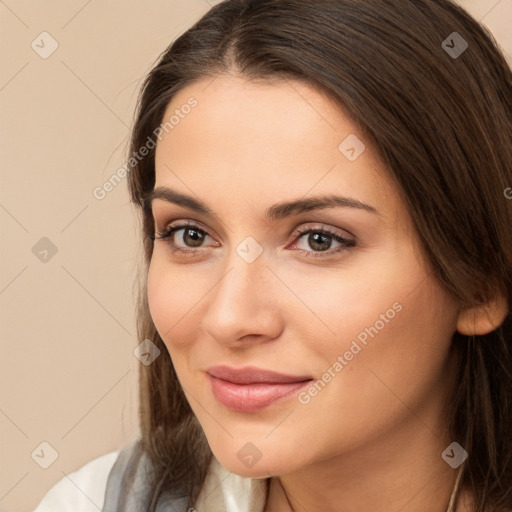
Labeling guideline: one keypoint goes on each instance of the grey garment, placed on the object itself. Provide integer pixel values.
(128, 484)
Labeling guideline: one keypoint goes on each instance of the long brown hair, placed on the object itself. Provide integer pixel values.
(442, 122)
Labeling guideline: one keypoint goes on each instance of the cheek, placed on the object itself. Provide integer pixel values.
(399, 361)
(362, 296)
(171, 300)
(392, 322)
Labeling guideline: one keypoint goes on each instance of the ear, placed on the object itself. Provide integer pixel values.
(483, 318)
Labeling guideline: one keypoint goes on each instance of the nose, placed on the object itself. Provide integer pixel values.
(244, 306)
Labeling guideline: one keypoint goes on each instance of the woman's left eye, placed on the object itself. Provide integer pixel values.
(318, 239)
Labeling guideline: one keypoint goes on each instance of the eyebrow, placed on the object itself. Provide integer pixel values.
(274, 212)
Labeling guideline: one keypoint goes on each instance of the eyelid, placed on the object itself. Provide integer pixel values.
(319, 226)
(183, 223)
(329, 222)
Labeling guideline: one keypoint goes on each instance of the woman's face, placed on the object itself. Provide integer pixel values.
(363, 319)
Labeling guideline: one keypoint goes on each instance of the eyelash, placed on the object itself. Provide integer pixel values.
(346, 243)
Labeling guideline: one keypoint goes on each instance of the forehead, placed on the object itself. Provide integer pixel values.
(287, 111)
(280, 139)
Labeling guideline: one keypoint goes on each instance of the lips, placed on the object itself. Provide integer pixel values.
(251, 375)
(251, 389)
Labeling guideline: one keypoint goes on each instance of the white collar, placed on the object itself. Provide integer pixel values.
(224, 491)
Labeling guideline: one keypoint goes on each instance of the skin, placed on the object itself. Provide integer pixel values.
(372, 438)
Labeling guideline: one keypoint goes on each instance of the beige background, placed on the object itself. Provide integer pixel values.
(68, 373)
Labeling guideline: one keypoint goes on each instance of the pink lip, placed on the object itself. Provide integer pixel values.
(251, 389)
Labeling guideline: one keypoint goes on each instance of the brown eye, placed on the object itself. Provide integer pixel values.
(191, 237)
(320, 240)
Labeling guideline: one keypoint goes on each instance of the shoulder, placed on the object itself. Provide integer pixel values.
(82, 490)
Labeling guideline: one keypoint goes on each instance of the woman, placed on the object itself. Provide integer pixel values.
(326, 217)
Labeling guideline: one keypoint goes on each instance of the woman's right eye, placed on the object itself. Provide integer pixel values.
(191, 233)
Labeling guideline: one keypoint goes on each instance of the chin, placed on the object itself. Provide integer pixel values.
(263, 468)
(258, 472)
